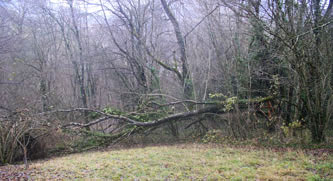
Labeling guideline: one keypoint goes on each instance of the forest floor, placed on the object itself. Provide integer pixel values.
(181, 162)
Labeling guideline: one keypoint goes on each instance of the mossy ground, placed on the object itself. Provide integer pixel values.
(186, 162)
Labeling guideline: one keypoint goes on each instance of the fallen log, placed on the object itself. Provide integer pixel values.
(217, 108)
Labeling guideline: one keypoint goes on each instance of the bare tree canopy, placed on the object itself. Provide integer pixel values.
(168, 67)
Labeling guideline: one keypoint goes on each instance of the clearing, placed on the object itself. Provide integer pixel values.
(182, 162)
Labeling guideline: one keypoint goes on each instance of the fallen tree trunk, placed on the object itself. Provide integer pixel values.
(218, 108)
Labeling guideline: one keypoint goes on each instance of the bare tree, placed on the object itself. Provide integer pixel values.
(185, 76)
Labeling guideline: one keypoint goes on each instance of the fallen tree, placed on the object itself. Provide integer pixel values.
(109, 127)
(217, 108)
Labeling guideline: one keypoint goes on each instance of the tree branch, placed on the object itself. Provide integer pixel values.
(218, 108)
(203, 19)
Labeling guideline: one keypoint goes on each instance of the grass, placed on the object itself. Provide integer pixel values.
(186, 162)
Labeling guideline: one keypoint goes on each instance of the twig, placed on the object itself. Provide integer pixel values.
(203, 19)
(181, 102)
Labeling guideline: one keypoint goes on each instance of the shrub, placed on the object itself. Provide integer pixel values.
(16, 138)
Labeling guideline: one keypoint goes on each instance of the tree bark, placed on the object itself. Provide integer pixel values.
(186, 77)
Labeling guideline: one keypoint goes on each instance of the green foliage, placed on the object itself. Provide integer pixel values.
(229, 104)
(113, 111)
(92, 139)
(93, 115)
(213, 136)
(89, 140)
(296, 133)
(217, 96)
(293, 125)
(314, 178)
(325, 168)
(216, 136)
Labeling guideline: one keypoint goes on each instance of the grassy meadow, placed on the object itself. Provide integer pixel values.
(186, 162)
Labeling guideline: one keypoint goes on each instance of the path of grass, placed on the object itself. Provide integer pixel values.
(186, 162)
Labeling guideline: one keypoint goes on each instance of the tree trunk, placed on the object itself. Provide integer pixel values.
(186, 76)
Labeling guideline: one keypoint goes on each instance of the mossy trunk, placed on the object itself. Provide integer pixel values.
(317, 128)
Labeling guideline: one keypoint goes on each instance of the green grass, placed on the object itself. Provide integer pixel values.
(186, 162)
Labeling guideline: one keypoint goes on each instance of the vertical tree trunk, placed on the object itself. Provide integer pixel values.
(186, 76)
(43, 91)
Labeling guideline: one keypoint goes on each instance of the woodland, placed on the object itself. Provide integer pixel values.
(77, 75)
